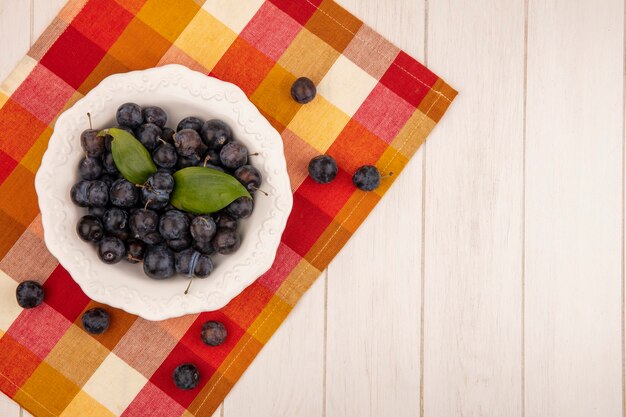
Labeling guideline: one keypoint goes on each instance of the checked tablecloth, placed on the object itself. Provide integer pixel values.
(376, 105)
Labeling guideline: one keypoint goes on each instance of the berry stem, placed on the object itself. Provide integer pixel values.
(161, 140)
(387, 175)
(254, 154)
(189, 286)
(258, 189)
(147, 203)
(89, 117)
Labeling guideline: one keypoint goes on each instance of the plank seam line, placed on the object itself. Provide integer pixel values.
(32, 23)
(325, 359)
(623, 260)
(523, 258)
(423, 243)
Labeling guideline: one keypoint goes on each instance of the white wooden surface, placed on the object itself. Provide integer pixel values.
(574, 209)
(490, 280)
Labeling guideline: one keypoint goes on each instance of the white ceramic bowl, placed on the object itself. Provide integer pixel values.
(181, 92)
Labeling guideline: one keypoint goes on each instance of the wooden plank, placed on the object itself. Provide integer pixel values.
(374, 285)
(14, 34)
(473, 213)
(574, 208)
(286, 378)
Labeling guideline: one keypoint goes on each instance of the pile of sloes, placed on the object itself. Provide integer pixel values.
(137, 222)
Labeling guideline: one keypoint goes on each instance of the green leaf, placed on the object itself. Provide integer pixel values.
(202, 190)
(131, 158)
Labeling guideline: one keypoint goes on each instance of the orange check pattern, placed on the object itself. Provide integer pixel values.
(376, 105)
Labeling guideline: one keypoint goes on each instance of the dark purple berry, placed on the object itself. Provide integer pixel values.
(366, 178)
(241, 208)
(156, 192)
(154, 200)
(233, 155)
(250, 177)
(212, 157)
(91, 143)
(190, 123)
(323, 169)
(186, 376)
(148, 134)
(226, 241)
(90, 229)
(161, 181)
(90, 168)
(193, 264)
(165, 155)
(143, 222)
(115, 222)
(96, 320)
(78, 193)
(109, 164)
(136, 251)
(111, 250)
(97, 194)
(123, 194)
(203, 228)
(216, 134)
(303, 90)
(188, 143)
(29, 294)
(214, 333)
(204, 267)
(174, 225)
(156, 115)
(130, 115)
(224, 221)
(167, 135)
(158, 262)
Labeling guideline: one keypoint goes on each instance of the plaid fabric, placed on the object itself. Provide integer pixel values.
(376, 105)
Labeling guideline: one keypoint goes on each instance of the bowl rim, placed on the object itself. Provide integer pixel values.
(200, 86)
